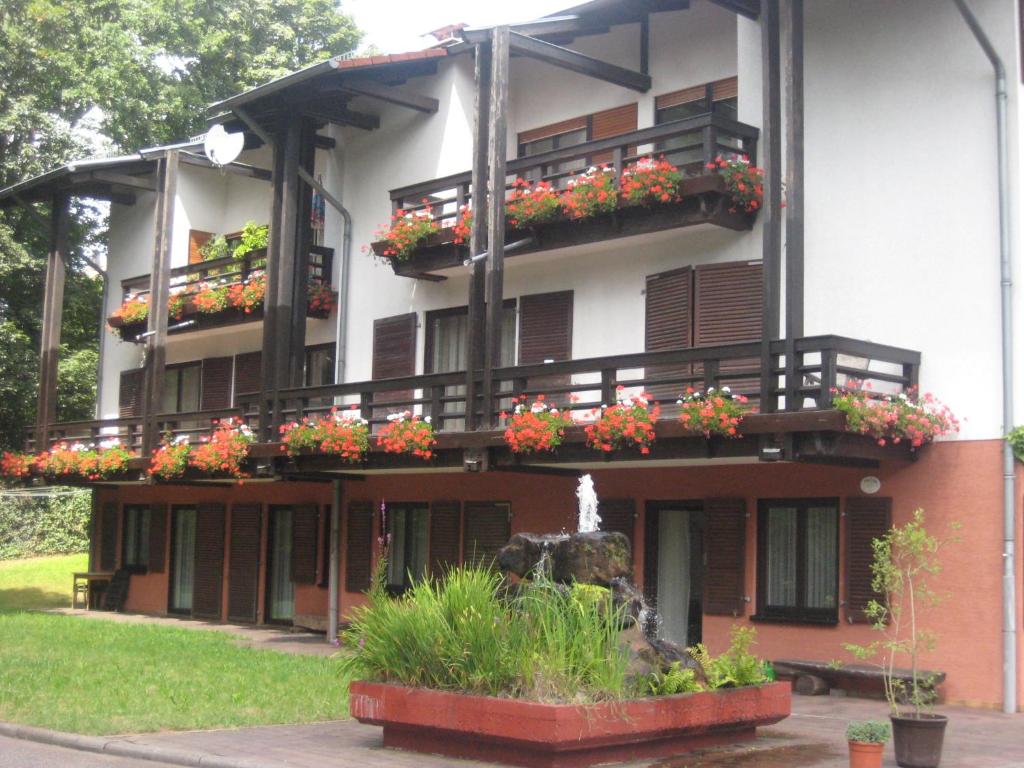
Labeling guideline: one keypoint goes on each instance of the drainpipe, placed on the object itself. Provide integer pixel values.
(1006, 311)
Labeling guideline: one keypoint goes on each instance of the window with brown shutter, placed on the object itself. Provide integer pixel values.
(725, 537)
(129, 394)
(867, 518)
(108, 537)
(209, 561)
(157, 538)
(727, 310)
(247, 374)
(652, 522)
(216, 383)
(197, 238)
(305, 524)
(668, 324)
(545, 327)
(445, 525)
(394, 352)
(612, 122)
(244, 567)
(486, 528)
(359, 546)
(618, 515)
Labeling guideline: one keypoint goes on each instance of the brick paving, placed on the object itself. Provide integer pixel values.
(813, 736)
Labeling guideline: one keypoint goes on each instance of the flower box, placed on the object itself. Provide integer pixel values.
(529, 733)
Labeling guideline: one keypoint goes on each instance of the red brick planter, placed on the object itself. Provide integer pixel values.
(564, 735)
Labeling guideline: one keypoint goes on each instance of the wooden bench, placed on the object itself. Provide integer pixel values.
(816, 678)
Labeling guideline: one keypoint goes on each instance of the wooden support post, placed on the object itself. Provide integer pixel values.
(159, 293)
(476, 321)
(293, 376)
(53, 310)
(793, 28)
(496, 214)
(772, 210)
(268, 359)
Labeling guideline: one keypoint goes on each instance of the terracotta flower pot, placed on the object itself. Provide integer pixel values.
(865, 754)
(918, 740)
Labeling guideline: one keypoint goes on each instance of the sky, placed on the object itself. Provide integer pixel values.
(395, 26)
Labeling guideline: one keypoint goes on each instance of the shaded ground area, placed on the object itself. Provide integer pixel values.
(813, 736)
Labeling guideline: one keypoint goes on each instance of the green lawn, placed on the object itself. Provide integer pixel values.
(100, 677)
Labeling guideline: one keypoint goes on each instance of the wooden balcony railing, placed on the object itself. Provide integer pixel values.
(689, 144)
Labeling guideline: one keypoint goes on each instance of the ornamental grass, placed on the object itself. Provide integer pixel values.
(629, 423)
(535, 427)
(712, 412)
(903, 417)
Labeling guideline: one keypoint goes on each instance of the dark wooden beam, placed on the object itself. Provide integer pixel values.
(268, 358)
(144, 183)
(556, 25)
(324, 142)
(749, 8)
(478, 236)
(159, 292)
(645, 45)
(53, 304)
(793, 35)
(578, 62)
(771, 141)
(402, 97)
(238, 169)
(300, 258)
(339, 115)
(497, 132)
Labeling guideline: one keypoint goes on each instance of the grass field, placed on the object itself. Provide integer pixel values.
(99, 677)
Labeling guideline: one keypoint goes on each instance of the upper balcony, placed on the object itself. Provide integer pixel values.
(689, 144)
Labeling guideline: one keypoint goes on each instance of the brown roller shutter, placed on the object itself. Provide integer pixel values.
(129, 394)
(394, 352)
(565, 126)
(305, 522)
(867, 518)
(545, 333)
(247, 374)
(157, 538)
(652, 522)
(682, 96)
(197, 238)
(244, 567)
(728, 301)
(444, 536)
(725, 538)
(668, 324)
(216, 384)
(108, 537)
(486, 528)
(728, 88)
(612, 122)
(618, 515)
(359, 546)
(209, 561)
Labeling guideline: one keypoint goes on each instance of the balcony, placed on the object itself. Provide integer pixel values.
(219, 292)
(688, 144)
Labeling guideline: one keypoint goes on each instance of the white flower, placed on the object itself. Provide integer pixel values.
(726, 390)
(181, 439)
(427, 419)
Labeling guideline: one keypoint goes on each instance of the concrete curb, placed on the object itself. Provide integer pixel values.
(124, 747)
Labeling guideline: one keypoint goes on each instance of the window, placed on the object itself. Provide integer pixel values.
(319, 365)
(135, 546)
(798, 560)
(408, 534)
(718, 97)
(181, 388)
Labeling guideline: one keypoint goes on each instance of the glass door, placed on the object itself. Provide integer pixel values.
(680, 574)
(280, 589)
(183, 550)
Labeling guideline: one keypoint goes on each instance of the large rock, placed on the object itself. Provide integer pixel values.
(626, 596)
(587, 558)
(647, 656)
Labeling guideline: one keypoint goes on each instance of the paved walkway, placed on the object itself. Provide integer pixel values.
(813, 736)
(268, 638)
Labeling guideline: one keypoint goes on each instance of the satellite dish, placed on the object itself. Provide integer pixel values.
(223, 147)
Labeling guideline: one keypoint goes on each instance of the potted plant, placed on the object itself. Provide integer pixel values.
(866, 740)
(536, 427)
(904, 561)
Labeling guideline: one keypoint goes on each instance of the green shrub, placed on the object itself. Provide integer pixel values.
(1016, 440)
(868, 731)
(52, 525)
(678, 679)
(736, 667)
(254, 237)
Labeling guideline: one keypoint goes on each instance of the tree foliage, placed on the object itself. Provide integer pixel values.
(79, 77)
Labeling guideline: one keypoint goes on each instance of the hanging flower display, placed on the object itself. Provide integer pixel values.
(745, 182)
(591, 193)
(170, 460)
(134, 310)
(627, 424)
(408, 433)
(224, 451)
(248, 296)
(338, 433)
(176, 304)
(714, 412)
(463, 228)
(407, 230)
(85, 462)
(649, 181)
(16, 466)
(211, 299)
(321, 300)
(894, 418)
(535, 427)
(532, 204)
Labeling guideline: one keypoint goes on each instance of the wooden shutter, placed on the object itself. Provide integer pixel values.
(652, 522)
(486, 528)
(359, 546)
(216, 383)
(305, 522)
(727, 88)
(545, 327)
(244, 567)
(618, 515)
(612, 122)
(668, 324)
(247, 373)
(394, 352)
(209, 561)
(565, 126)
(444, 536)
(725, 538)
(108, 537)
(196, 240)
(727, 310)
(129, 394)
(867, 518)
(157, 538)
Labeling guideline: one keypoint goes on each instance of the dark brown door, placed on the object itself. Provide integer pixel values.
(243, 571)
